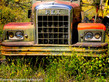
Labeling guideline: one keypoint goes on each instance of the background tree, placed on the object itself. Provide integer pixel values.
(14, 10)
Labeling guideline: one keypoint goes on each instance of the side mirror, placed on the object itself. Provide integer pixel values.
(29, 13)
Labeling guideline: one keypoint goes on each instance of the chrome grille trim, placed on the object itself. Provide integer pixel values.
(53, 29)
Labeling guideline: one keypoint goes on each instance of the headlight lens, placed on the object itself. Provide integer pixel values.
(11, 34)
(93, 36)
(19, 34)
(97, 35)
(89, 35)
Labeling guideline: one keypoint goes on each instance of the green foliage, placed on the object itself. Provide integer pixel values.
(14, 11)
(16, 70)
(58, 69)
(96, 1)
(77, 68)
(0, 31)
(0, 34)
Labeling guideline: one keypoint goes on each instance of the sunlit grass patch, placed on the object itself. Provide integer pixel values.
(61, 68)
(76, 68)
(18, 70)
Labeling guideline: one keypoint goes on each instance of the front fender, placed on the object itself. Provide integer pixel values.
(26, 27)
(90, 27)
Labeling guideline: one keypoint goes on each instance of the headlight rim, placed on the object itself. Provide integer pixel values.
(12, 34)
(96, 34)
(87, 34)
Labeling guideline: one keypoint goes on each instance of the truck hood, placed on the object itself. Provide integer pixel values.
(53, 5)
(56, 3)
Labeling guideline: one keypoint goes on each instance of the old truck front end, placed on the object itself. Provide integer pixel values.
(54, 31)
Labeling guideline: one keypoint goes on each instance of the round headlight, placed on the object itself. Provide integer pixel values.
(97, 35)
(19, 34)
(89, 35)
(11, 34)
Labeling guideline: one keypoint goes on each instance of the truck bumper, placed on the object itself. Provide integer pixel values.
(31, 49)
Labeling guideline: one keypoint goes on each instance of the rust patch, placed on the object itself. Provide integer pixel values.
(22, 49)
(79, 44)
(15, 44)
(45, 51)
(91, 44)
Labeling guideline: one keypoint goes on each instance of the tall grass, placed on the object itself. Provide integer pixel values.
(57, 69)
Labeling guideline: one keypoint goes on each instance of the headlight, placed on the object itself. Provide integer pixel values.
(97, 35)
(15, 35)
(89, 35)
(19, 34)
(93, 36)
(11, 34)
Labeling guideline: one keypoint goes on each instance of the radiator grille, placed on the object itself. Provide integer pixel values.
(53, 29)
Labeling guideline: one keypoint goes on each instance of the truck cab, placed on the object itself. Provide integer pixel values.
(56, 29)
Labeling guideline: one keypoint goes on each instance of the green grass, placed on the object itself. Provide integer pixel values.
(56, 69)
(1, 31)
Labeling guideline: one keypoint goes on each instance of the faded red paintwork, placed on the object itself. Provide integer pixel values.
(15, 25)
(56, 1)
(68, 3)
(84, 26)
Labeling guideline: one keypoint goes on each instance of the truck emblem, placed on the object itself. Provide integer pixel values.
(47, 11)
(52, 12)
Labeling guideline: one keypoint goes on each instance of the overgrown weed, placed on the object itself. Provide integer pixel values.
(73, 68)
(78, 68)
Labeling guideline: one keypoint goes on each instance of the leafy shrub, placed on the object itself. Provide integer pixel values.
(77, 68)
(14, 11)
(73, 68)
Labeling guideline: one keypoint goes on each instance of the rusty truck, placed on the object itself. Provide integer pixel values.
(56, 29)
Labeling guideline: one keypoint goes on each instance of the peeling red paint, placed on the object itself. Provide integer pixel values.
(84, 26)
(21, 25)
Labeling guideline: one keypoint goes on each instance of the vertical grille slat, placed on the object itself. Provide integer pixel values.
(53, 29)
